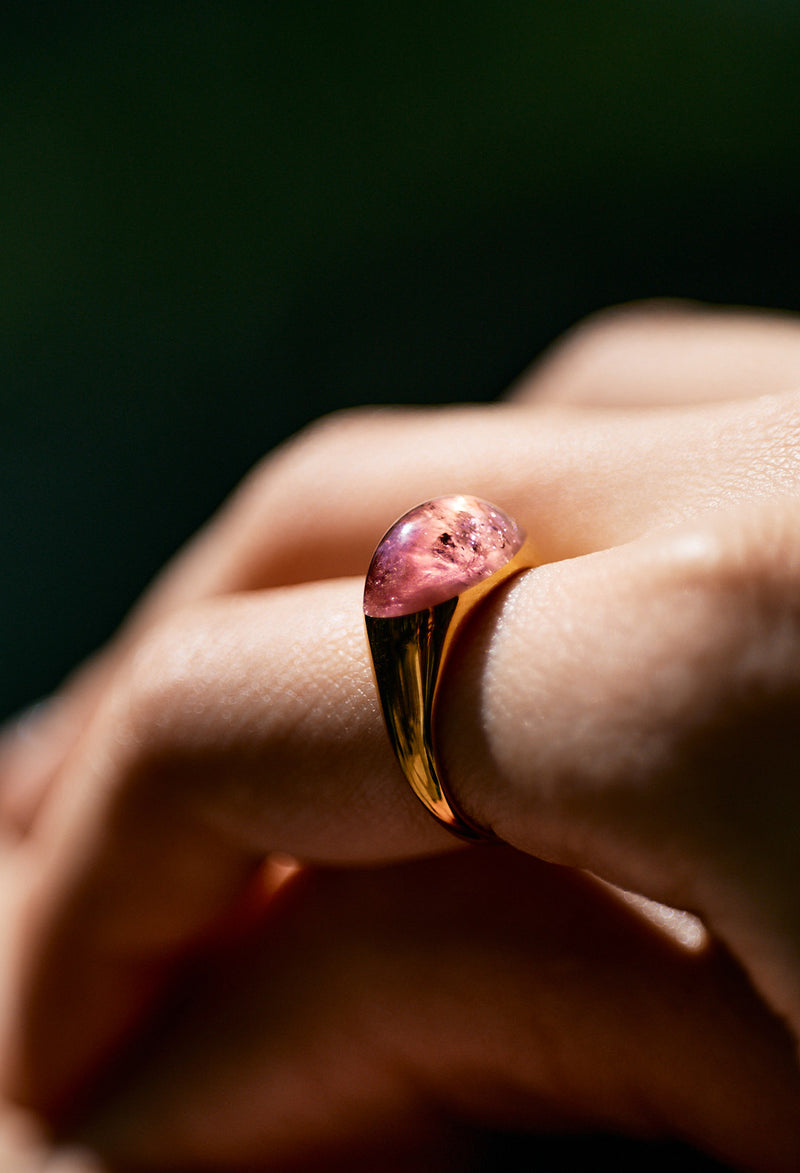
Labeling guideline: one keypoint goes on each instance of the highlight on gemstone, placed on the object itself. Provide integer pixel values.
(436, 551)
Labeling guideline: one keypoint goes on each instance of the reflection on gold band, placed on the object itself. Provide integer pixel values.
(409, 653)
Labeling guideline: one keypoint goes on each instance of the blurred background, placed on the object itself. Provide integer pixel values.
(221, 219)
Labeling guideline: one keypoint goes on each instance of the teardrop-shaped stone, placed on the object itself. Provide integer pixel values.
(436, 551)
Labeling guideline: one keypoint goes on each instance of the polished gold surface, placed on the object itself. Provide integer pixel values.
(409, 653)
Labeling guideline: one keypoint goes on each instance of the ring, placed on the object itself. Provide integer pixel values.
(428, 572)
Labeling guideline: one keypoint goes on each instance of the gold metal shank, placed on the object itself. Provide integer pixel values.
(409, 653)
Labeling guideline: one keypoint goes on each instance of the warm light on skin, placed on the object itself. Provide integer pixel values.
(685, 928)
(593, 717)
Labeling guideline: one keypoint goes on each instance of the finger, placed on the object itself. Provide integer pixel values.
(667, 353)
(573, 725)
(371, 1010)
(172, 800)
(645, 354)
(635, 712)
(577, 482)
(580, 483)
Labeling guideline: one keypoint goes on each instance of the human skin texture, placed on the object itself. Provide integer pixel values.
(623, 718)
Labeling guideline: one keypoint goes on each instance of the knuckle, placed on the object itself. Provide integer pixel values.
(742, 571)
(318, 446)
(616, 323)
(279, 485)
(321, 440)
(597, 351)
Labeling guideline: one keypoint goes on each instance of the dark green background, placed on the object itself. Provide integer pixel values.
(220, 220)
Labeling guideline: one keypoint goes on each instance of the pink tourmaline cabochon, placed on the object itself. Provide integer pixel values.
(435, 552)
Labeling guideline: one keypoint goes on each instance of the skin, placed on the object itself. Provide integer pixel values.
(628, 709)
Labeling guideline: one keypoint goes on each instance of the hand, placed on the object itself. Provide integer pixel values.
(611, 711)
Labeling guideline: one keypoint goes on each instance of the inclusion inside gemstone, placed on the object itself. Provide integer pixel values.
(435, 552)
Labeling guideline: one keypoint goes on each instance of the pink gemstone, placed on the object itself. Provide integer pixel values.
(435, 552)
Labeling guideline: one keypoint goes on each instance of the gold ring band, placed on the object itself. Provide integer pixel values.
(428, 573)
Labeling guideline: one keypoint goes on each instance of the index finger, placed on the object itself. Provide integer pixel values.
(246, 726)
(580, 482)
(249, 724)
(260, 731)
